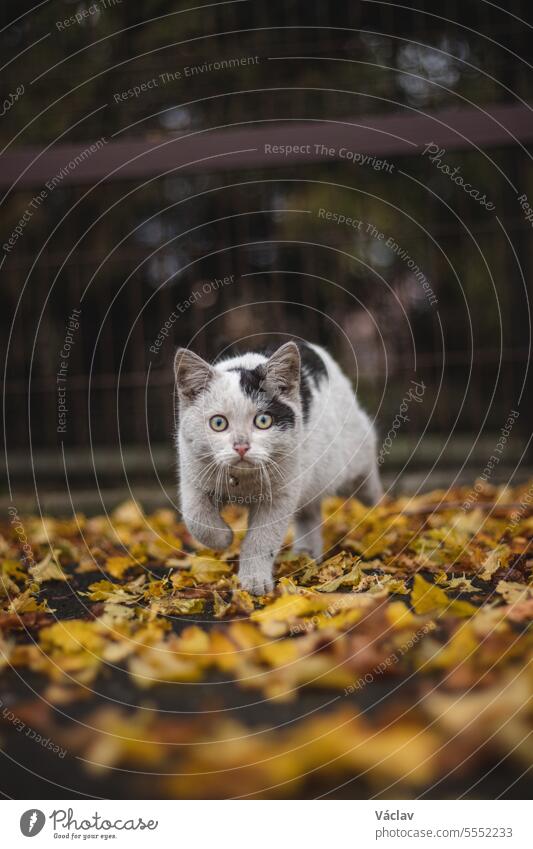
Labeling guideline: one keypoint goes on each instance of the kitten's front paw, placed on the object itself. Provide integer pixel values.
(216, 539)
(256, 584)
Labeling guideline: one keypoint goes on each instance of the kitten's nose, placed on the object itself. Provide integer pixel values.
(241, 448)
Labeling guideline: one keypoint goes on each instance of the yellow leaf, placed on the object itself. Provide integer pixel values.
(399, 615)
(225, 653)
(220, 606)
(428, 598)
(351, 578)
(462, 584)
(461, 645)
(339, 621)
(47, 569)
(207, 570)
(72, 636)
(117, 566)
(245, 635)
(157, 664)
(243, 601)
(280, 652)
(128, 513)
(193, 640)
(27, 603)
(118, 593)
(496, 559)
(115, 614)
(175, 606)
(513, 592)
(274, 619)
(10, 569)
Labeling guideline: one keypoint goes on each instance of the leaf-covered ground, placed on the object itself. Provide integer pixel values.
(133, 665)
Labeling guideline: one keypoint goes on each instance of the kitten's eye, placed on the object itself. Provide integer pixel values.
(218, 422)
(263, 421)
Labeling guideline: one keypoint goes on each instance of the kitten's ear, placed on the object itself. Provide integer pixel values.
(283, 370)
(192, 374)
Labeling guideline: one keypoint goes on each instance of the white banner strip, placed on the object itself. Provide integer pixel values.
(264, 824)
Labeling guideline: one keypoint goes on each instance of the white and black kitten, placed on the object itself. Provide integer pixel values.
(277, 433)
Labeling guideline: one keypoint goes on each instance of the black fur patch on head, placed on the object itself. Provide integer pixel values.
(313, 368)
(281, 413)
(251, 381)
(312, 363)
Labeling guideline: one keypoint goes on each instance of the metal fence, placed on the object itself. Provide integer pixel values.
(203, 274)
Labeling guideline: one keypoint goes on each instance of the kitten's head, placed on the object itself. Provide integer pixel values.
(240, 417)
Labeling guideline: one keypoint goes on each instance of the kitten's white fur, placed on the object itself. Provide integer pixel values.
(288, 468)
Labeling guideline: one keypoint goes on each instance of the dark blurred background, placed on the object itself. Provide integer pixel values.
(135, 165)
